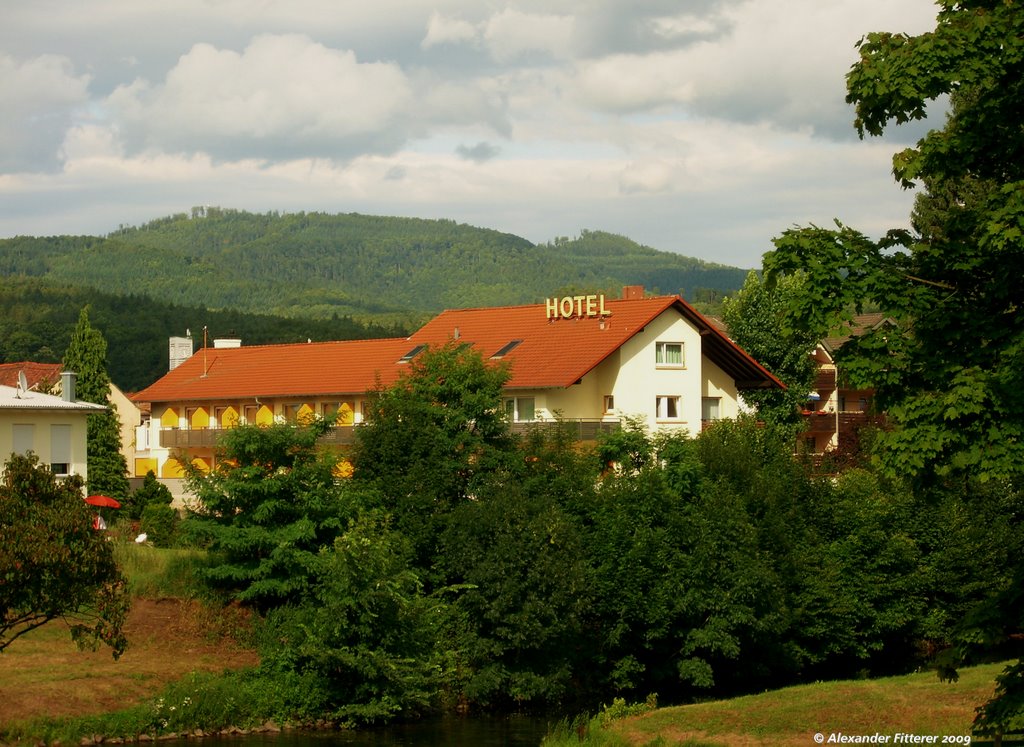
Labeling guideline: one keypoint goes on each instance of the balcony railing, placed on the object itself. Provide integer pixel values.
(174, 438)
(825, 422)
(825, 381)
(582, 429)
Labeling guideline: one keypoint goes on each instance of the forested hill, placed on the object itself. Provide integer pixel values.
(372, 268)
(37, 319)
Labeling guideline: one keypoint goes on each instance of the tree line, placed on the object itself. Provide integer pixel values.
(39, 320)
(463, 567)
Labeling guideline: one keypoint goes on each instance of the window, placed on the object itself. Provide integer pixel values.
(669, 354)
(197, 418)
(609, 403)
(521, 409)
(667, 406)
(710, 408)
(225, 417)
(60, 449)
(299, 413)
(506, 349)
(249, 414)
(24, 436)
(412, 354)
(342, 411)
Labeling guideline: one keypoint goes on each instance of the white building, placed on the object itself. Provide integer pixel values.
(54, 428)
(582, 359)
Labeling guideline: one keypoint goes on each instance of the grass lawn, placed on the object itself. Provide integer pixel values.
(912, 704)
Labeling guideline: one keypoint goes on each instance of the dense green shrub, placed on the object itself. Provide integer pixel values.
(151, 491)
(516, 626)
(160, 524)
(268, 510)
(363, 649)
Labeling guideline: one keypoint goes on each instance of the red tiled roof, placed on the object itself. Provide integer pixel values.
(346, 367)
(35, 373)
(558, 353)
(552, 354)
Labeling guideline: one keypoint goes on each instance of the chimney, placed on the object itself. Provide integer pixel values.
(180, 350)
(222, 343)
(68, 379)
(632, 293)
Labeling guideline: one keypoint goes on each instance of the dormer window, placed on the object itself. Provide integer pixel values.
(412, 354)
(506, 349)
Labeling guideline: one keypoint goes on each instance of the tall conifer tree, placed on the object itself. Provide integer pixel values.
(86, 355)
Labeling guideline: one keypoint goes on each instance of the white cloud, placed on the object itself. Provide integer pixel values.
(39, 97)
(704, 128)
(88, 141)
(283, 94)
(628, 83)
(478, 153)
(648, 176)
(512, 34)
(785, 67)
(684, 26)
(441, 30)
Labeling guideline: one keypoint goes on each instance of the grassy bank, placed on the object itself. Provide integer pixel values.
(181, 653)
(912, 704)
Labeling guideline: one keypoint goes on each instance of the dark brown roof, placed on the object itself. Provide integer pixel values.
(861, 323)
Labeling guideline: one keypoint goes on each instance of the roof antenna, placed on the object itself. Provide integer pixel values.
(22, 385)
(205, 368)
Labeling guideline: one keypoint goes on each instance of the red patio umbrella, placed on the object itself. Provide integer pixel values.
(102, 500)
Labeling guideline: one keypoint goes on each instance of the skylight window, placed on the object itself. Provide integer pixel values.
(412, 354)
(506, 349)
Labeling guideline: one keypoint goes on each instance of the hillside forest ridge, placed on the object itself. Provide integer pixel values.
(276, 278)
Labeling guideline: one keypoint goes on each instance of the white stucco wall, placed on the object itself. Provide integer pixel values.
(638, 381)
(718, 384)
(632, 376)
(42, 420)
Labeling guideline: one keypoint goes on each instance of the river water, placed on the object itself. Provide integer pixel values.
(512, 731)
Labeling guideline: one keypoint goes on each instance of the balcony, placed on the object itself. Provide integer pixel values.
(825, 381)
(825, 422)
(583, 429)
(207, 438)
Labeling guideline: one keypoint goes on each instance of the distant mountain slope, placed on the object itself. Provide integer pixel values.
(371, 267)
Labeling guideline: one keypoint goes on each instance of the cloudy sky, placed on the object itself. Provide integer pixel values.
(703, 127)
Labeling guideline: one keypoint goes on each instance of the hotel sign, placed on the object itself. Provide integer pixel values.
(569, 307)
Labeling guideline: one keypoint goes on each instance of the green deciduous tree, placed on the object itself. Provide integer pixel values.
(515, 630)
(757, 320)
(53, 564)
(432, 438)
(362, 649)
(87, 356)
(952, 382)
